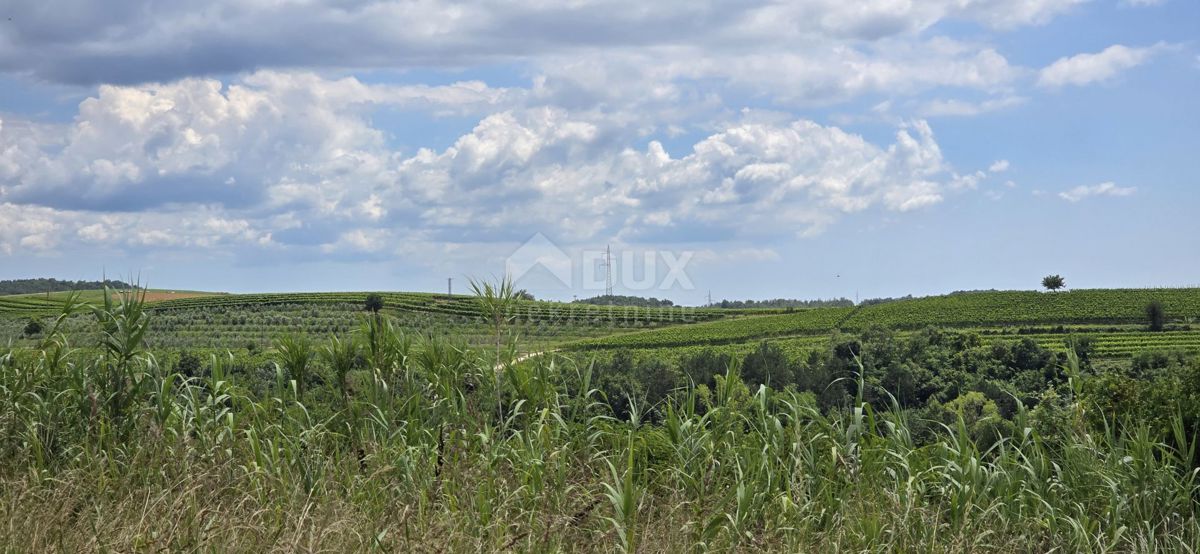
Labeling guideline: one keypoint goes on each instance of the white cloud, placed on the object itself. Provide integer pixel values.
(1083, 69)
(962, 108)
(28, 228)
(794, 176)
(197, 140)
(1103, 189)
(998, 166)
(292, 162)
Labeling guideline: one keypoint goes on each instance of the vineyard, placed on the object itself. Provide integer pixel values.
(988, 312)
(1112, 344)
(803, 322)
(1111, 316)
(461, 305)
(1027, 307)
(254, 320)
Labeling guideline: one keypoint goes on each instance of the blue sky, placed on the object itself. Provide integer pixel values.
(799, 149)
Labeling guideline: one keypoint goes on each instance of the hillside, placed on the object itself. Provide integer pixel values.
(1114, 317)
(214, 320)
(992, 312)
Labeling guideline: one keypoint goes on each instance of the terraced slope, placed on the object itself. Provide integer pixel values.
(994, 308)
(462, 305)
(802, 322)
(991, 309)
(245, 319)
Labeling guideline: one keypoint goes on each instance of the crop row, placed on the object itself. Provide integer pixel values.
(1028, 307)
(810, 321)
(995, 309)
(1121, 344)
(238, 325)
(455, 305)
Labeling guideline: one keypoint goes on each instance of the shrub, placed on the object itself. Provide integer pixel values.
(767, 365)
(33, 327)
(189, 364)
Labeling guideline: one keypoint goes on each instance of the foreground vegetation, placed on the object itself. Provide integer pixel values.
(377, 440)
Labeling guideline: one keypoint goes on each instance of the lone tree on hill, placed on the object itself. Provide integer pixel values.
(374, 303)
(1156, 315)
(1053, 282)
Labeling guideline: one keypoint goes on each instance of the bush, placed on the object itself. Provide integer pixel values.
(32, 328)
(767, 365)
(702, 367)
(189, 364)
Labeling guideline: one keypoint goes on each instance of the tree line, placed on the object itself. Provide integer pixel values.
(31, 286)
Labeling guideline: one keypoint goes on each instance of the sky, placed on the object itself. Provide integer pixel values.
(738, 149)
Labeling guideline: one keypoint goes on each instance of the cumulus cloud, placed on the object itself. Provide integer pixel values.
(543, 169)
(40, 229)
(1084, 69)
(292, 161)
(197, 140)
(1103, 189)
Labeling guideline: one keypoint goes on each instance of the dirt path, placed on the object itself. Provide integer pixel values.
(524, 357)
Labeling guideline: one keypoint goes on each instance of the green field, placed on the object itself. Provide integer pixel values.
(215, 321)
(990, 313)
(189, 425)
(1112, 316)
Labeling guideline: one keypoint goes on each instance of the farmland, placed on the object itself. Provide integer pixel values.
(407, 429)
(216, 321)
(1044, 315)
(205, 320)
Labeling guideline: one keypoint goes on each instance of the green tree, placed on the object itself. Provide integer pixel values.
(1053, 282)
(1156, 315)
(767, 365)
(374, 303)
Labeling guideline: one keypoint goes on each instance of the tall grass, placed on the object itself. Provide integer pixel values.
(409, 452)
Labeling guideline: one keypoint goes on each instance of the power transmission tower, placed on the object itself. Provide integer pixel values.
(608, 286)
(449, 286)
(710, 298)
